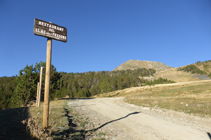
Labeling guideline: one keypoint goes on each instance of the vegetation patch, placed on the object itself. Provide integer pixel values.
(58, 121)
(21, 90)
(193, 69)
(192, 99)
(64, 122)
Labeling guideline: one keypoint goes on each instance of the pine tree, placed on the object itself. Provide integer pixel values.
(27, 80)
(105, 86)
(26, 87)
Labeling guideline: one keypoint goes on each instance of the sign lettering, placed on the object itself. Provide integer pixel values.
(50, 30)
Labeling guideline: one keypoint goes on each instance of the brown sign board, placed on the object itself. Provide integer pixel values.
(50, 30)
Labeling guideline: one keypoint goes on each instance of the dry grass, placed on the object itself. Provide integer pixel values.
(56, 113)
(193, 99)
(64, 122)
(202, 66)
(189, 97)
(12, 128)
(174, 75)
(58, 122)
(135, 90)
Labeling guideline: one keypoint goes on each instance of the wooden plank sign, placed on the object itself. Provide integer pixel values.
(50, 30)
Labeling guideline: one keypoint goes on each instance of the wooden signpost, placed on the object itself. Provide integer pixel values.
(37, 93)
(40, 86)
(50, 31)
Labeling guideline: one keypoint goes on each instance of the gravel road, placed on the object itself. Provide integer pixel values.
(123, 121)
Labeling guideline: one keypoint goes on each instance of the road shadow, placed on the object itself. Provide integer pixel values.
(86, 133)
(133, 113)
(209, 135)
(11, 126)
(75, 134)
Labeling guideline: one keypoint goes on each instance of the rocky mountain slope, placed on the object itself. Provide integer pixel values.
(134, 64)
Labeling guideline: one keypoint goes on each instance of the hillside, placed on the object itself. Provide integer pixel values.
(134, 64)
(175, 75)
(204, 66)
(166, 72)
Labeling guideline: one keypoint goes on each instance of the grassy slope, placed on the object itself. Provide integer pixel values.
(181, 76)
(187, 97)
(174, 75)
(204, 66)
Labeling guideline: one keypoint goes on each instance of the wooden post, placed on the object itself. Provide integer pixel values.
(40, 86)
(47, 84)
(37, 94)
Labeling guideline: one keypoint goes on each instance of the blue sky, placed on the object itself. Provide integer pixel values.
(102, 34)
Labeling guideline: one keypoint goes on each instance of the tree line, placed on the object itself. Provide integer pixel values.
(20, 90)
(92, 83)
(193, 69)
(202, 62)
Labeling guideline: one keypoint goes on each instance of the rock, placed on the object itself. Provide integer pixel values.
(61, 128)
(23, 122)
(146, 108)
(200, 105)
(49, 138)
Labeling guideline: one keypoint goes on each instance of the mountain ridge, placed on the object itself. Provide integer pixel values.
(134, 64)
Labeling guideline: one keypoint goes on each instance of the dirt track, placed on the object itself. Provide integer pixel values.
(120, 120)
